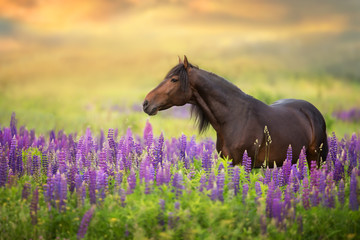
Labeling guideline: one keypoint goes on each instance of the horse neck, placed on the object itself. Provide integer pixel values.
(217, 97)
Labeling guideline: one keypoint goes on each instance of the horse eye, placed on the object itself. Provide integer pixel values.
(174, 80)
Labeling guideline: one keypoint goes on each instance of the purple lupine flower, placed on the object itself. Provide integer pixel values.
(3, 168)
(101, 184)
(294, 180)
(142, 169)
(7, 137)
(338, 170)
(353, 201)
(245, 192)
(314, 175)
(280, 178)
(269, 199)
(287, 165)
(275, 176)
(138, 147)
(148, 135)
(182, 147)
(236, 180)
(211, 181)
(60, 190)
(50, 187)
(78, 181)
(71, 177)
(277, 193)
(35, 167)
(191, 174)
(313, 166)
(333, 148)
(34, 206)
(150, 174)
(167, 172)
(52, 136)
(101, 140)
(102, 160)
(149, 178)
(45, 192)
(277, 211)
(92, 186)
(322, 181)
(206, 160)
(118, 179)
(158, 151)
(258, 190)
(160, 176)
(314, 196)
(177, 183)
(221, 167)
(352, 153)
(220, 181)
(85, 223)
(329, 198)
(124, 157)
(306, 194)
(26, 191)
(267, 179)
(341, 192)
(214, 193)
(246, 162)
(288, 196)
(45, 163)
(13, 123)
(131, 181)
(202, 183)
(61, 161)
(129, 140)
(112, 145)
(191, 148)
(13, 155)
(302, 163)
(176, 205)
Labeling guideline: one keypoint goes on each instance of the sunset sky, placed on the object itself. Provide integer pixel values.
(275, 30)
(265, 19)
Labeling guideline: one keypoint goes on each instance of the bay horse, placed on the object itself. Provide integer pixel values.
(241, 121)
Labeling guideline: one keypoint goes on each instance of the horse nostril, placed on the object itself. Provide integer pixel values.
(145, 104)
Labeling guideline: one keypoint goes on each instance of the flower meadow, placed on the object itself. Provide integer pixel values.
(107, 186)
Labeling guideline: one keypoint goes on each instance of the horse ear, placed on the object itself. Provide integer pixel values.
(180, 61)
(186, 63)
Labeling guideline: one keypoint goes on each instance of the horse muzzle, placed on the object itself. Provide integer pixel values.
(148, 109)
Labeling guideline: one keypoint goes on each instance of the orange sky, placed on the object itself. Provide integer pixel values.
(60, 14)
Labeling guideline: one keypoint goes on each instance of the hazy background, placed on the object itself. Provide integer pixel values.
(73, 64)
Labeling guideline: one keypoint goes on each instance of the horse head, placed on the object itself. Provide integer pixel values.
(174, 90)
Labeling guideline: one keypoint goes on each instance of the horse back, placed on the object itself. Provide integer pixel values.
(315, 121)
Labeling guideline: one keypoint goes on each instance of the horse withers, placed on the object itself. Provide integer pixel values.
(241, 121)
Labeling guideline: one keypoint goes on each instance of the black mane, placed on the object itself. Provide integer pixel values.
(201, 120)
(180, 71)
